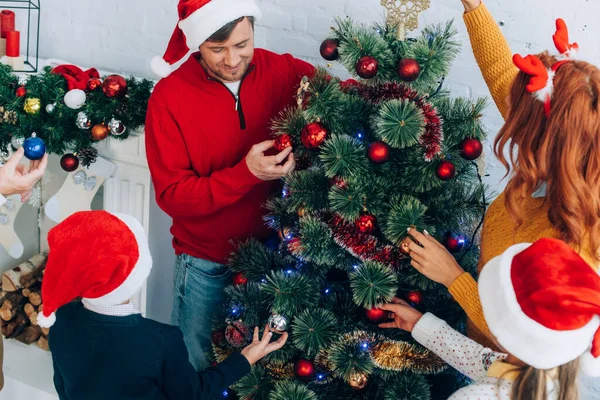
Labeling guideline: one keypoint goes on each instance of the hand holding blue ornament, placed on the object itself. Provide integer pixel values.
(34, 147)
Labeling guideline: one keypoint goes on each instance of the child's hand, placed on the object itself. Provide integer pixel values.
(405, 317)
(260, 348)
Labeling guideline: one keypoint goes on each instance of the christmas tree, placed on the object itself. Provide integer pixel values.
(375, 157)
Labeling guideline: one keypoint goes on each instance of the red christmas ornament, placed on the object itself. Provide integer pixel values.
(239, 279)
(93, 84)
(21, 91)
(470, 149)
(237, 334)
(409, 69)
(415, 297)
(313, 135)
(114, 86)
(304, 369)
(294, 245)
(339, 182)
(100, 132)
(445, 170)
(329, 49)
(69, 162)
(376, 315)
(379, 152)
(282, 142)
(218, 338)
(453, 242)
(366, 223)
(367, 67)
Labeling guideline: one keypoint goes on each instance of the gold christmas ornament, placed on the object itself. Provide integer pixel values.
(404, 14)
(358, 380)
(32, 105)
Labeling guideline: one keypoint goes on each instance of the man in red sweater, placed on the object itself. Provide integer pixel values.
(207, 132)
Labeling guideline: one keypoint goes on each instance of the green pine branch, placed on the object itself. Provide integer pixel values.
(373, 284)
(399, 123)
(314, 330)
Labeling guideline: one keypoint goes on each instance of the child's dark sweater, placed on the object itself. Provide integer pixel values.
(100, 357)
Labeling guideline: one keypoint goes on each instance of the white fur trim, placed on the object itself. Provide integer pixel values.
(547, 91)
(589, 364)
(140, 271)
(160, 67)
(205, 21)
(520, 335)
(46, 322)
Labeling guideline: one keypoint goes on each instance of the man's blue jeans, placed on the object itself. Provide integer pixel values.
(197, 296)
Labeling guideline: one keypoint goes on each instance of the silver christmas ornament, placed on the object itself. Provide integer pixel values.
(17, 142)
(50, 108)
(278, 323)
(116, 127)
(83, 121)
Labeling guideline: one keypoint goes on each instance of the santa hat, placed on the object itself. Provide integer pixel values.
(96, 255)
(198, 20)
(542, 303)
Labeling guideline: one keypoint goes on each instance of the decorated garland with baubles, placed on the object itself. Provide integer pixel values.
(65, 110)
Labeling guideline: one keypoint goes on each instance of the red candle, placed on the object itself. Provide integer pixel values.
(7, 22)
(13, 42)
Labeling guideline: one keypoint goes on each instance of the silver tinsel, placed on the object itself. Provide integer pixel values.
(278, 323)
(83, 121)
(17, 142)
(116, 127)
(50, 108)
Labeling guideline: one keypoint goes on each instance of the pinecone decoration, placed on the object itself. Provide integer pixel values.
(87, 156)
(9, 117)
(122, 109)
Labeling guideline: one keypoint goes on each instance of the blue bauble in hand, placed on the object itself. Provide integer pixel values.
(34, 147)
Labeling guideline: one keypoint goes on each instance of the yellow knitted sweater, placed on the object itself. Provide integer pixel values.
(494, 58)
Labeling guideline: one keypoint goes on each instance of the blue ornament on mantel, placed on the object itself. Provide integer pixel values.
(34, 147)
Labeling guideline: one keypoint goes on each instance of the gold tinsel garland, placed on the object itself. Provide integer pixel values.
(395, 355)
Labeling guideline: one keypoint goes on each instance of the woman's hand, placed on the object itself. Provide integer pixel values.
(405, 317)
(431, 258)
(470, 5)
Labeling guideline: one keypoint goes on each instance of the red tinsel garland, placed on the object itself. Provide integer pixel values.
(431, 139)
(365, 246)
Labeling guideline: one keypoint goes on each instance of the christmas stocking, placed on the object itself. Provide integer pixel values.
(8, 237)
(78, 191)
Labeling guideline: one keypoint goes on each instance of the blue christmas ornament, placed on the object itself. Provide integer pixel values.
(34, 147)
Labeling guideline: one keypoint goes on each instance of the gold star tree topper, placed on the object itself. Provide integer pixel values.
(404, 14)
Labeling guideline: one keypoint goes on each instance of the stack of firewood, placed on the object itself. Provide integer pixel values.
(21, 302)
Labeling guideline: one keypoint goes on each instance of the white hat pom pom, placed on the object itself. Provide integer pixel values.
(589, 364)
(46, 322)
(160, 67)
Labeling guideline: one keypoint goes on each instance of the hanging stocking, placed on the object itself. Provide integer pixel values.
(78, 191)
(8, 237)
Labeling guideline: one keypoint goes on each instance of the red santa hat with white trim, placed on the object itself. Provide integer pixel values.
(96, 255)
(198, 20)
(542, 303)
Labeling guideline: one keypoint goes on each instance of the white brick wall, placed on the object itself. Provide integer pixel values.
(122, 35)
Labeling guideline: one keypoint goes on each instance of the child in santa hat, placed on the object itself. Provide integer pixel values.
(102, 348)
(541, 302)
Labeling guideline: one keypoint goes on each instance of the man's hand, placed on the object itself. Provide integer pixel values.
(470, 5)
(18, 179)
(432, 259)
(405, 317)
(259, 348)
(267, 168)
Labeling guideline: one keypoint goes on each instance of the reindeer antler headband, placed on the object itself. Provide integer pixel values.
(541, 82)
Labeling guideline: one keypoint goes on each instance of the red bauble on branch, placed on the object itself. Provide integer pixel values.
(114, 86)
(367, 67)
(239, 279)
(313, 135)
(470, 149)
(379, 152)
(218, 338)
(415, 297)
(366, 223)
(453, 242)
(376, 315)
(21, 91)
(69, 162)
(409, 69)
(93, 84)
(100, 132)
(304, 369)
(282, 142)
(445, 170)
(237, 334)
(329, 49)
(339, 182)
